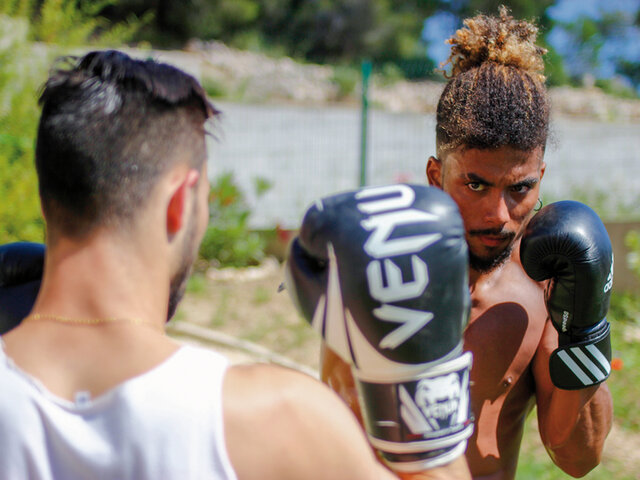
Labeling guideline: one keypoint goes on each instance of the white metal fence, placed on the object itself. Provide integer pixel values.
(309, 152)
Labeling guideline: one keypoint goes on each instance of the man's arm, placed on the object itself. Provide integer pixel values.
(336, 373)
(281, 424)
(21, 266)
(573, 423)
(360, 272)
(567, 245)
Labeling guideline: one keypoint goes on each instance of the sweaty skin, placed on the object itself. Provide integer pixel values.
(508, 331)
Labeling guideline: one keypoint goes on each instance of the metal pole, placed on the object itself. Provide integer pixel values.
(366, 73)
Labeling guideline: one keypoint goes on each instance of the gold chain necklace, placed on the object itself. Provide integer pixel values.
(92, 321)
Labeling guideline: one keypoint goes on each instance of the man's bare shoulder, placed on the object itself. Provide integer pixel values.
(280, 423)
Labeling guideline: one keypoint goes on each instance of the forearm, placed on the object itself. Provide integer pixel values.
(337, 374)
(575, 426)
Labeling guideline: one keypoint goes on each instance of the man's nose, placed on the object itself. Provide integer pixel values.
(496, 210)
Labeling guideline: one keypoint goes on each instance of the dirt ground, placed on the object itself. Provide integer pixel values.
(242, 314)
(249, 314)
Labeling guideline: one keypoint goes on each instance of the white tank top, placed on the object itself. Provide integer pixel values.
(164, 424)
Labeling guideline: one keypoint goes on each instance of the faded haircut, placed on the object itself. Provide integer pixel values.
(110, 126)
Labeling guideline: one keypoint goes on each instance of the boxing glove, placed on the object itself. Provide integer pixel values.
(567, 243)
(21, 266)
(382, 274)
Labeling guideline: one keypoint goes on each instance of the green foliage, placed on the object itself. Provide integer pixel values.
(615, 88)
(389, 73)
(530, 9)
(630, 69)
(228, 241)
(346, 78)
(215, 88)
(554, 67)
(346, 31)
(220, 19)
(65, 23)
(606, 202)
(20, 217)
(624, 344)
(320, 31)
(196, 284)
(632, 241)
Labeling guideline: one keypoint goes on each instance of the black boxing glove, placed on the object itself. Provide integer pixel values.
(21, 266)
(568, 243)
(382, 274)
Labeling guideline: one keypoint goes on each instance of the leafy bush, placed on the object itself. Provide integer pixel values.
(20, 217)
(64, 23)
(616, 88)
(214, 87)
(228, 241)
(632, 240)
(345, 78)
(625, 306)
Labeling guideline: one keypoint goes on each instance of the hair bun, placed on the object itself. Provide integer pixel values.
(502, 40)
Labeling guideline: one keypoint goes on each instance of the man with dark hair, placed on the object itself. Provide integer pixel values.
(491, 133)
(91, 385)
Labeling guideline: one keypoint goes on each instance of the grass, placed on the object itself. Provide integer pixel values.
(624, 383)
(534, 462)
(261, 295)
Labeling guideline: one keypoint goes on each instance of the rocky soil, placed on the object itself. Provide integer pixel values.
(252, 77)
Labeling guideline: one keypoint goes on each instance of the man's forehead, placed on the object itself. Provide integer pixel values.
(502, 158)
(504, 163)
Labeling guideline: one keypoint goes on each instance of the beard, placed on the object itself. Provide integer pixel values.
(488, 263)
(178, 283)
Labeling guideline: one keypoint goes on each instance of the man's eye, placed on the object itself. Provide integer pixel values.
(475, 186)
(520, 189)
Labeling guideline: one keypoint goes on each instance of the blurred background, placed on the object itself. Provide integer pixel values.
(320, 96)
(323, 96)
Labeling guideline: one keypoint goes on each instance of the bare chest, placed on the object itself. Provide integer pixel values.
(503, 338)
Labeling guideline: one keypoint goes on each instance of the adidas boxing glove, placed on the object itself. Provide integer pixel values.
(21, 266)
(382, 274)
(567, 243)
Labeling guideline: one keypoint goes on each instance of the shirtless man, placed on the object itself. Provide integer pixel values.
(492, 126)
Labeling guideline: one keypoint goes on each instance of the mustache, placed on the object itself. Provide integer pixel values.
(497, 232)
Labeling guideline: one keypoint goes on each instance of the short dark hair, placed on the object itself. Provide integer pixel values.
(496, 94)
(110, 125)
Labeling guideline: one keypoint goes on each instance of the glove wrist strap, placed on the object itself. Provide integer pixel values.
(582, 364)
(421, 423)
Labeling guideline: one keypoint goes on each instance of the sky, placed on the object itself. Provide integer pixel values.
(625, 43)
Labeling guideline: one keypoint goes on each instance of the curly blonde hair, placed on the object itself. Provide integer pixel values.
(496, 94)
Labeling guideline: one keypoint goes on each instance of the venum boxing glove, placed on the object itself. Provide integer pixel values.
(21, 266)
(567, 243)
(382, 274)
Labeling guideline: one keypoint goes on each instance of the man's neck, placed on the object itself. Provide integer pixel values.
(103, 276)
(483, 279)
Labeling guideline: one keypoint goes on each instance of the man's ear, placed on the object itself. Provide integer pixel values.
(178, 201)
(434, 172)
